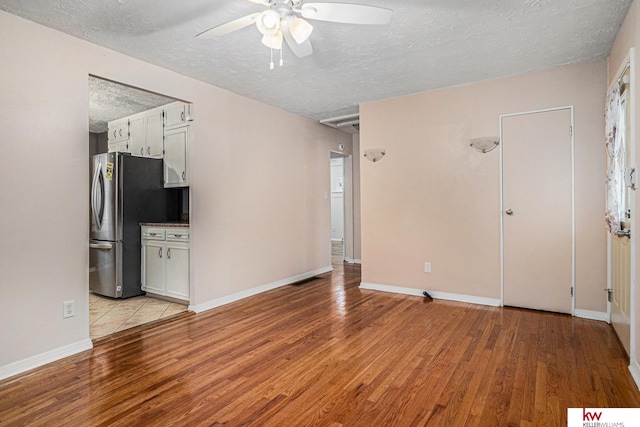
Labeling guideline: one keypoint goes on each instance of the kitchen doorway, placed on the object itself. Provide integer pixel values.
(109, 102)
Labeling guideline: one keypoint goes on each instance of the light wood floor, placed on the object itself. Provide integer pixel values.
(325, 353)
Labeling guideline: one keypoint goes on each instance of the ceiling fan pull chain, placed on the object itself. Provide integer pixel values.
(271, 64)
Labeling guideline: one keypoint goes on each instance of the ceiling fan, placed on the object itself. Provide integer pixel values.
(284, 19)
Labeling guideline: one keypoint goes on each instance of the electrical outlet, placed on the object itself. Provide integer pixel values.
(68, 309)
(427, 267)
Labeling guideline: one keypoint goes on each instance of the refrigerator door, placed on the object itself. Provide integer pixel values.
(104, 197)
(105, 268)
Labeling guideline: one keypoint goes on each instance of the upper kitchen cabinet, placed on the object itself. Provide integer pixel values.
(176, 155)
(177, 114)
(162, 133)
(137, 141)
(146, 134)
(155, 134)
(118, 135)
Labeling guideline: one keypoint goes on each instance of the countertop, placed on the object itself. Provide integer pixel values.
(165, 224)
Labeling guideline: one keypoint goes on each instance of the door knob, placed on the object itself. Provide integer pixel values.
(509, 211)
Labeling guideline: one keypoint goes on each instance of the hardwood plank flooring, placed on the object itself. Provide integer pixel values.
(326, 353)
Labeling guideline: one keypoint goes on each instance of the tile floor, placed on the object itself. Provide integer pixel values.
(107, 315)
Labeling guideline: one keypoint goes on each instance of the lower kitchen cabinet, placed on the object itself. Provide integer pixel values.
(153, 267)
(177, 271)
(165, 261)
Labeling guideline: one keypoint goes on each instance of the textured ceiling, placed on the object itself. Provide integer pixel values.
(109, 101)
(429, 44)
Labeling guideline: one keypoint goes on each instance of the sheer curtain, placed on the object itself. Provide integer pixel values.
(614, 141)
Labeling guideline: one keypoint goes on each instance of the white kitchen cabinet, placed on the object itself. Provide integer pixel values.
(118, 130)
(146, 134)
(177, 114)
(176, 157)
(118, 136)
(177, 270)
(137, 140)
(165, 261)
(153, 276)
(160, 133)
(154, 132)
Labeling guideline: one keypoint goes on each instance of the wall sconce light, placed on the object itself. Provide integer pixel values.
(374, 154)
(485, 144)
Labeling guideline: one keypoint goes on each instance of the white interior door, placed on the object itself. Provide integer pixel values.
(537, 210)
(337, 199)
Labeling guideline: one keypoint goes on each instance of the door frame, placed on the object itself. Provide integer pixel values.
(573, 220)
(347, 211)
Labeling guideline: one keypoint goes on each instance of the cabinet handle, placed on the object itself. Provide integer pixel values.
(182, 116)
(120, 132)
(152, 234)
(149, 150)
(115, 133)
(160, 252)
(142, 151)
(184, 176)
(169, 253)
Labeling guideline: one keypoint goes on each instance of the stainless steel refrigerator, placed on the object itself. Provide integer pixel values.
(125, 191)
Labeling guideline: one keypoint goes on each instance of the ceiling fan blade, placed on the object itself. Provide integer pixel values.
(300, 50)
(346, 13)
(229, 27)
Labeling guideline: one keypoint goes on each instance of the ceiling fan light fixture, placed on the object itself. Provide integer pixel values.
(300, 29)
(268, 22)
(273, 41)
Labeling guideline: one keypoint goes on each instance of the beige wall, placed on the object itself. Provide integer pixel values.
(629, 37)
(432, 198)
(258, 212)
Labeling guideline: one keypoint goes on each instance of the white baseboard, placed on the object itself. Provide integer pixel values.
(592, 315)
(38, 360)
(634, 368)
(353, 261)
(434, 294)
(392, 289)
(199, 308)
